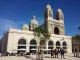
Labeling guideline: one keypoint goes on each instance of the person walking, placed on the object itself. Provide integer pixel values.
(51, 53)
(62, 53)
(56, 53)
(0, 54)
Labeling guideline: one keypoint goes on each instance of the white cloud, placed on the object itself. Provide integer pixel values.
(5, 24)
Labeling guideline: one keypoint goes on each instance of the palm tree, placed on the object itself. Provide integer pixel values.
(42, 34)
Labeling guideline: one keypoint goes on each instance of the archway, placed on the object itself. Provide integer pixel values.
(64, 44)
(50, 45)
(42, 45)
(33, 46)
(21, 46)
(42, 42)
(56, 30)
(58, 45)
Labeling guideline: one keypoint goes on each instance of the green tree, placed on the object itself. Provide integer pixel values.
(42, 34)
(76, 37)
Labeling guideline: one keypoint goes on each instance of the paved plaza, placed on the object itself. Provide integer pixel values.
(46, 57)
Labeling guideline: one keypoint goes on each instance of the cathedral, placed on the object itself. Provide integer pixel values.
(23, 40)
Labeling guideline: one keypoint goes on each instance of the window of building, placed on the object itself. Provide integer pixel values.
(33, 46)
(56, 30)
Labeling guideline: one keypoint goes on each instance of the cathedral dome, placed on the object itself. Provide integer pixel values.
(34, 21)
(48, 7)
(25, 27)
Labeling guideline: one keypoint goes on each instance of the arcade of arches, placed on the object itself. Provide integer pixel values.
(22, 45)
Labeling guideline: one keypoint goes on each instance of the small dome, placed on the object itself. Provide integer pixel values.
(48, 7)
(34, 21)
(25, 27)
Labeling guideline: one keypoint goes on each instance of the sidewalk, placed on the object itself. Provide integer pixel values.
(67, 57)
(46, 57)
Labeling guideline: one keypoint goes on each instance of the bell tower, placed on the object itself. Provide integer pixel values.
(48, 17)
(48, 13)
(54, 26)
(59, 15)
(60, 18)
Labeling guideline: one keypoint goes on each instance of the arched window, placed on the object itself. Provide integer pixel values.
(32, 42)
(22, 41)
(21, 46)
(56, 30)
(50, 45)
(33, 46)
(64, 44)
(57, 43)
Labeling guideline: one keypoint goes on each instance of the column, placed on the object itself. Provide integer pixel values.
(47, 45)
(54, 45)
(61, 46)
(27, 47)
(37, 47)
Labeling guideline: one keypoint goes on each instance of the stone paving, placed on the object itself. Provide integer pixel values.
(67, 57)
(32, 57)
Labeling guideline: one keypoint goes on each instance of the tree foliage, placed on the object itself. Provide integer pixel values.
(41, 31)
(76, 37)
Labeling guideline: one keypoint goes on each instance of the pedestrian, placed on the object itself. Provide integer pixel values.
(0, 54)
(62, 53)
(51, 53)
(56, 53)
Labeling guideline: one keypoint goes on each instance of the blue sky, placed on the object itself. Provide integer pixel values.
(15, 13)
